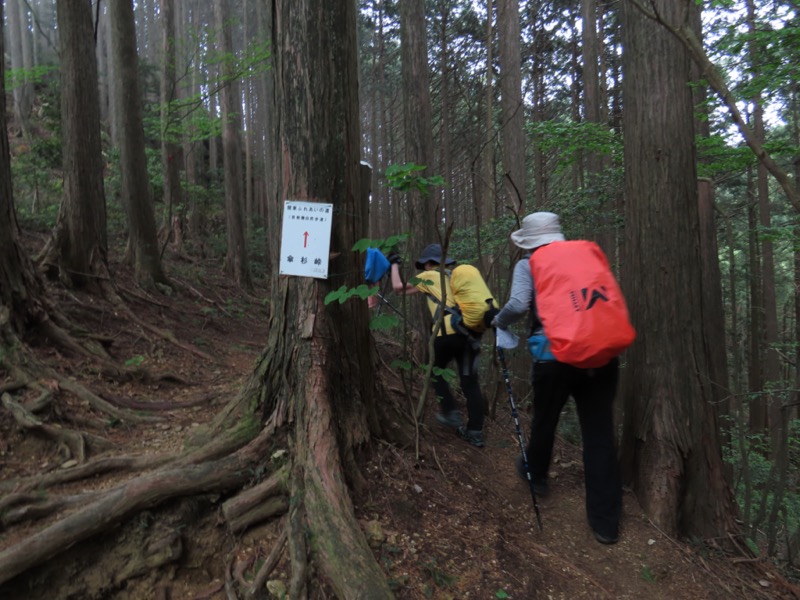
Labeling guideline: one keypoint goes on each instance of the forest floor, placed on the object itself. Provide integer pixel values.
(455, 522)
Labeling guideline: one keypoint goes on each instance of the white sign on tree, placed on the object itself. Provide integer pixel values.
(306, 238)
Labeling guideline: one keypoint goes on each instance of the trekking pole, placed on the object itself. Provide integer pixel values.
(390, 305)
(502, 357)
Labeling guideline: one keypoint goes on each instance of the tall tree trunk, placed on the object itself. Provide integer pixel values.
(757, 410)
(714, 314)
(249, 127)
(772, 360)
(325, 349)
(596, 163)
(137, 197)
(79, 246)
(540, 41)
(193, 150)
(20, 289)
(671, 448)
(445, 158)
(171, 159)
(114, 117)
(417, 117)
(101, 52)
(512, 117)
(483, 184)
(21, 92)
(271, 155)
(488, 205)
(236, 262)
(376, 59)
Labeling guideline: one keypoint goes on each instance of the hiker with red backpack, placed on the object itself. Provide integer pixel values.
(454, 342)
(578, 326)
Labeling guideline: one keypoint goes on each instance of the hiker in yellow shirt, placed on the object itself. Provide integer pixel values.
(449, 345)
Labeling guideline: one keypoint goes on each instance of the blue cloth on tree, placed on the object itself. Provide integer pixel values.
(376, 265)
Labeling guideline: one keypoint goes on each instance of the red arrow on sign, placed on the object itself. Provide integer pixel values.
(305, 239)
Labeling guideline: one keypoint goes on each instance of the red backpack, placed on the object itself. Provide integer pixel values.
(580, 304)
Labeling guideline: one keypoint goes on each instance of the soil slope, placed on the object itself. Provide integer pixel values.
(453, 522)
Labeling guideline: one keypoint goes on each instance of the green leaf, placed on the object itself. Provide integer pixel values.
(363, 291)
(134, 361)
(335, 295)
(418, 281)
(501, 594)
(364, 243)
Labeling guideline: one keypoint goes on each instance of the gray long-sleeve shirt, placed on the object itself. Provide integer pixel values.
(521, 299)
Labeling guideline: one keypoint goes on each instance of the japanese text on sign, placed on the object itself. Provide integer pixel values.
(306, 238)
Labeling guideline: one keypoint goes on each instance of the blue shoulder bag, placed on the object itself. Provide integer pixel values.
(539, 347)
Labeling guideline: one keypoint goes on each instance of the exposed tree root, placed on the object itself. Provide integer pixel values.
(101, 405)
(23, 366)
(270, 563)
(158, 406)
(120, 464)
(32, 506)
(122, 307)
(298, 553)
(267, 499)
(33, 372)
(75, 442)
(129, 498)
(62, 339)
(222, 459)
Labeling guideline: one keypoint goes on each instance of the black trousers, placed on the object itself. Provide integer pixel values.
(459, 348)
(593, 391)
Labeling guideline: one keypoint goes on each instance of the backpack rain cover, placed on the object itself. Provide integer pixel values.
(580, 303)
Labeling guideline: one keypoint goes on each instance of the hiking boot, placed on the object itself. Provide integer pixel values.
(450, 419)
(605, 539)
(471, 436)
(540, 488)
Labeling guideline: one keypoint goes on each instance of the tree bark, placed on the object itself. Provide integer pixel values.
(772, 360)
(137, 197)
(671, 447)
(682, 29)
(20, 289)
(512, 108)
(171, 158)
(417, 117)
(329, 347)
(236, 262)
(21, 93)
(79, 246)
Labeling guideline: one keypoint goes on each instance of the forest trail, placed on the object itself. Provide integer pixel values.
(475, 524)
(457, 523)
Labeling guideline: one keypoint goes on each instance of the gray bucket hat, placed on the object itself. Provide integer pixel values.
(538, 229)
(432, 252)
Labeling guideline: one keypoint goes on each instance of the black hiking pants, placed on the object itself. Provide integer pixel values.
(593, 390)
(459, 348)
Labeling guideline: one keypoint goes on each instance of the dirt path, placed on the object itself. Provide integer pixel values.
(463, 526)
(457, 523)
